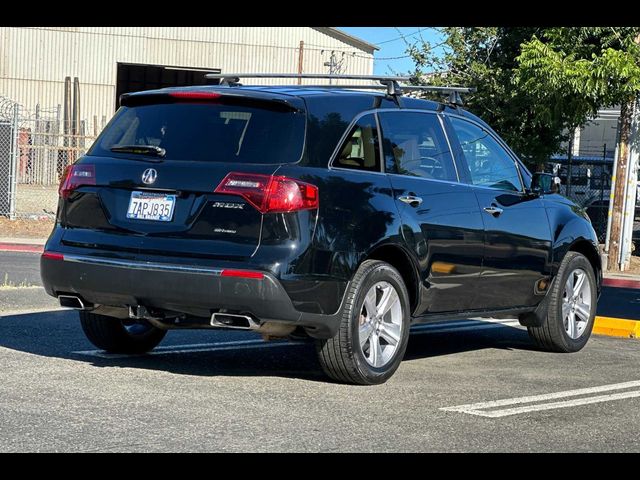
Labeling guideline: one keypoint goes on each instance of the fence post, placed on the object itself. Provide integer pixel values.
(569, 169)
(15, 160)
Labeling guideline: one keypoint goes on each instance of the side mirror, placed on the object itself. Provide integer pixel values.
(545, 183)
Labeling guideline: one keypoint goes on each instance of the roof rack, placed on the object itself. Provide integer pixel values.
(389, 83)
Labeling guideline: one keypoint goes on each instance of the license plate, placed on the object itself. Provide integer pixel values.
(151, 206)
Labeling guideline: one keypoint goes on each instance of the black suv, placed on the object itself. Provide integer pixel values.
(342, 215)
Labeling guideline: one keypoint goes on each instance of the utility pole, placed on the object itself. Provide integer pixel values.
(300, 59)
(332, 64)
(623, 201)
(618, 205)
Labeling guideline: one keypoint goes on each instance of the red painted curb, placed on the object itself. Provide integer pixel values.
(621, 283)
(21, 248)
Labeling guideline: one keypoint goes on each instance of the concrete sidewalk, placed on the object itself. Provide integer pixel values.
(22, 241)
(621, 280)
(22, 244)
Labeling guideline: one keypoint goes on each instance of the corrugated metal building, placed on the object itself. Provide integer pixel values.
(43, 128)
(111, 60)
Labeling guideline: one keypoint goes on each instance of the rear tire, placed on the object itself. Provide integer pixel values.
(120, 336)
(557, 334)
(376, 310)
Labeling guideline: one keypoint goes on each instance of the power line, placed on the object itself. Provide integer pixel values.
(402, 36)
(388, 58)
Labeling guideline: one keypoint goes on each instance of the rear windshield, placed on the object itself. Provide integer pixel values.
(206, 132)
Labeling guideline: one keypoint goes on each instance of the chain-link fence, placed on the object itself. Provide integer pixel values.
(35, 148)
(586, 179)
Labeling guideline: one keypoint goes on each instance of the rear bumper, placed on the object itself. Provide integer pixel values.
(191, 289)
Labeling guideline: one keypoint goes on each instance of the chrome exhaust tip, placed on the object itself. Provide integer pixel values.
(71, 301)
(234, 320)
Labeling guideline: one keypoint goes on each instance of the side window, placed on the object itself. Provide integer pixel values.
(489, 164)
(414, 144)
(360, 151)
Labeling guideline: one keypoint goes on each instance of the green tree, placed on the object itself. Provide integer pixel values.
(535, 85)
(590, 67)
(599, 67)
(485, 58)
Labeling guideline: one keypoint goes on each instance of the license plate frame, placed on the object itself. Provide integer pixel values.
(142, 206)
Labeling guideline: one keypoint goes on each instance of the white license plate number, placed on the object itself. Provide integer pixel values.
(151, 206)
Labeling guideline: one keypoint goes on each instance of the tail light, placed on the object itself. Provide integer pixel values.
(242, 274)
(269, 193)
(75, 176)
(52, 255)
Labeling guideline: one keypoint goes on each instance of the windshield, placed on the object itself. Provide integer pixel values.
(204, 132)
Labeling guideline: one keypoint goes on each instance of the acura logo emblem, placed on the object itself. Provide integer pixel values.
(149, 176)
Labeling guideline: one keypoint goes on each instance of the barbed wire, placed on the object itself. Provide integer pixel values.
(6, 108)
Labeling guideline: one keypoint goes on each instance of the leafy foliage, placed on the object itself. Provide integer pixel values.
(535, 84)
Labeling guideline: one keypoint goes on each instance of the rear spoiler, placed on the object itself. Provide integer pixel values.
(244, 98)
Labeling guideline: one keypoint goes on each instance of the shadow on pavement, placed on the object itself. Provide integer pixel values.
(57, 334)
(435, 344)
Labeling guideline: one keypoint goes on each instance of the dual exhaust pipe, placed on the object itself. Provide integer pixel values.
(218, 319)
(73, 301)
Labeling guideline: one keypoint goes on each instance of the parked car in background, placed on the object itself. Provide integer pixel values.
(589, 185)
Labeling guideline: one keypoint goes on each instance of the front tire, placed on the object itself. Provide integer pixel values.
(120, 336)
(374, 328)
(572, 307)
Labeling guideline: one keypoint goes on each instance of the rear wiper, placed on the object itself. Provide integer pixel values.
(140, 150)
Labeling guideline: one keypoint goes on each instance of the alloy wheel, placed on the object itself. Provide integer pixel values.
(576, 303)
(380, 326)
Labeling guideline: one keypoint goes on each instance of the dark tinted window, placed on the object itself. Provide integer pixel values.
(414, 144)
(489, 164)
(207, 132)
(328, 118)
(360, 151)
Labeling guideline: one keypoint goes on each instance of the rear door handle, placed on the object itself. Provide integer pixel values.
(495, 211)
(411, 200)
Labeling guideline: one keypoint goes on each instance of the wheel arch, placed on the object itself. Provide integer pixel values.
(400, 259)
(581, 245)
(586, 248)
(573, 232)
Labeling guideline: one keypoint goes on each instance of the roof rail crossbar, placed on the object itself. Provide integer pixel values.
(390, 83)
(309, 75)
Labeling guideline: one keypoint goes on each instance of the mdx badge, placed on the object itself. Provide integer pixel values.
(149, 176)
(239, 206)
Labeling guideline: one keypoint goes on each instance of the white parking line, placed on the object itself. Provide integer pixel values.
(489, 409)
(455, 326)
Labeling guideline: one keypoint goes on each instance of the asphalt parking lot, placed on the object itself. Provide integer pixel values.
(464, 386)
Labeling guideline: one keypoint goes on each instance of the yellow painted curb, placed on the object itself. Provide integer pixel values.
(616, 327)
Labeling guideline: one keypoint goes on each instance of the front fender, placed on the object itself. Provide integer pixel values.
(571, 230)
